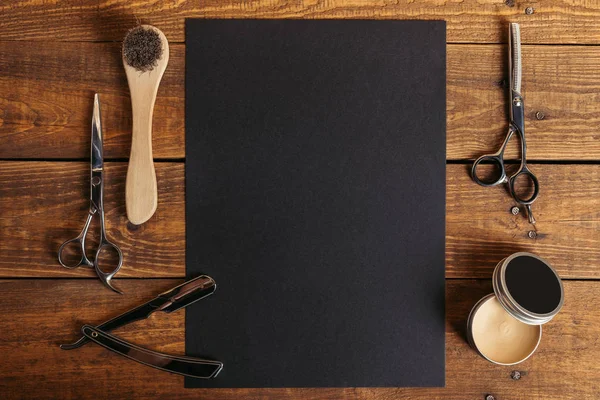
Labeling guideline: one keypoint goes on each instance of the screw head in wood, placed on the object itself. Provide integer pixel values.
(532, 234)
(539, 115)
(529, 10)
(489, 397)
(516, 375)
(515, 210)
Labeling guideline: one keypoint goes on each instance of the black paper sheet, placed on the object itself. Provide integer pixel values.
(315, 197)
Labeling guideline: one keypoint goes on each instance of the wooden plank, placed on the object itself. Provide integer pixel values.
(481, 231)
(560, 82)
(46, 93)
(37, 315)
(44, 203)
(480, 21)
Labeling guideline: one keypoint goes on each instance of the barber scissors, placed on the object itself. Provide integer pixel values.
(96, 208)
(516, 125)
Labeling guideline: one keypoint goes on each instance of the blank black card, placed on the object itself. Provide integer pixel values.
(315, 197)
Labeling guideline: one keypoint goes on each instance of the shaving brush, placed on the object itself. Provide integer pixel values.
(145, 58)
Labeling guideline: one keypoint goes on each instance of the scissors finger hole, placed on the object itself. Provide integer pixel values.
(488, 171)
(524, 187)
(108, 258)
(70, 254)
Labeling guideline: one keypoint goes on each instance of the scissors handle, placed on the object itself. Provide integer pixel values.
(83, 260)
(80, 246)
(524, 172)
(100, 264)
(496, 159)
(497, 178)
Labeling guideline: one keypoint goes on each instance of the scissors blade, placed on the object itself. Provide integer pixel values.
(97, 153)
(514, 57)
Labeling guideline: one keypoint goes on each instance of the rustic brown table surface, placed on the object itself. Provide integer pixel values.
(55, 55)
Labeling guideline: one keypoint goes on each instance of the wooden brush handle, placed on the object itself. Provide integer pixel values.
(141, 195)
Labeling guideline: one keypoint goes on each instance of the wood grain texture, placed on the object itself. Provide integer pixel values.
(37, 214)
(46, 98)
(481, 231)
(560, 82)
(473, 21)
(51, 312)
(42, 204)
(46, 95)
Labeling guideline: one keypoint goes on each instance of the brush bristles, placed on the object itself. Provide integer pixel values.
(142, 48)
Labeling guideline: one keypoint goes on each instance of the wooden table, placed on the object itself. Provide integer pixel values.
(54, 56)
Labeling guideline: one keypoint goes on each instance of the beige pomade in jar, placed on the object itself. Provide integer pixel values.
(505, 326)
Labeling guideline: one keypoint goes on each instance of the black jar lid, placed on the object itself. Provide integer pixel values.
(528, 288)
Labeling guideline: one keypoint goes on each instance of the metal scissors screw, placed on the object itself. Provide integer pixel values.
(96, 208)
(516, 125)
